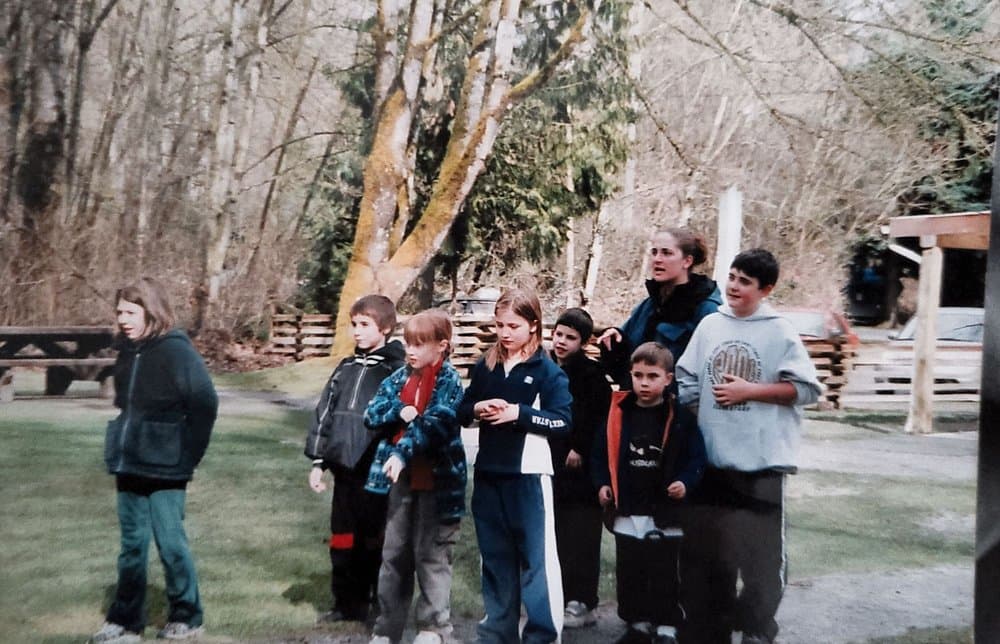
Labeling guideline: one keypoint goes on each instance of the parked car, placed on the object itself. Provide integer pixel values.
(958, 353)
(820, 324)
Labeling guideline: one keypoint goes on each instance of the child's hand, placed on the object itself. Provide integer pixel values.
(609, 337)
(604, 496)
(408, 413)
(393, 468)
(573, 460)
(506, 414)
(676, 490)
(733, 391)
(316, 480)
(489, 407)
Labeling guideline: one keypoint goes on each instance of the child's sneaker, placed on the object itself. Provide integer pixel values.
(665, 635)
(577, 615)
(428, 637)
(112, 633)
(180, 631)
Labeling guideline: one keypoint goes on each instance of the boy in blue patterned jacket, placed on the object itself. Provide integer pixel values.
(420, 464)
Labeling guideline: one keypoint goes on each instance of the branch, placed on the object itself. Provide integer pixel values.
(285, 144)
(540, 76)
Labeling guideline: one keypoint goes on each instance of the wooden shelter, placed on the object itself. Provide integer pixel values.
(967, 230)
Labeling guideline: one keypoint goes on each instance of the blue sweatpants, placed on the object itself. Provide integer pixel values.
(515, 527)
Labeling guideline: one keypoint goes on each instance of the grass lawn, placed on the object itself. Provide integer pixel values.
(259, 535)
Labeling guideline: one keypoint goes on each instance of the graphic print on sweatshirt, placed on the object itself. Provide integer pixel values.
(736, 358)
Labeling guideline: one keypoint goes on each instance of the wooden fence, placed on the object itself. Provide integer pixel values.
(304, 335)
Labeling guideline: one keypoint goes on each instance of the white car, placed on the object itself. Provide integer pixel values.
(958, 354)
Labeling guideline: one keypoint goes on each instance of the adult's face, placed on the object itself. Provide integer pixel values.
(669, 264)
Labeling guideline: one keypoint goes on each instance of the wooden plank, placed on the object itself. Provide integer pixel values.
(49, 331)
(28, 361)
(961, 223)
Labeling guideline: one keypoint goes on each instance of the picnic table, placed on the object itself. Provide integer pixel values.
(66, 353)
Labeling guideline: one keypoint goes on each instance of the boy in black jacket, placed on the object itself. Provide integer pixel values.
(577, 513)
(338, 441)
(651, 456)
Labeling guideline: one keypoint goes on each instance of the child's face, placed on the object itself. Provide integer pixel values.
(649, 382)
(743, 293)
(131, 319)
(513, 331)
(565, 341)
(419, 356)
(668, 262)
(367, 335)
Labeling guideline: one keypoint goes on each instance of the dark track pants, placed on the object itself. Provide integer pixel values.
(160, 515)
(578, 537)
(647, 580)
(734, 529)
(357, 527)
(515, 529)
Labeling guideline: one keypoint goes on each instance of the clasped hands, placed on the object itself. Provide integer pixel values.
(496, 411)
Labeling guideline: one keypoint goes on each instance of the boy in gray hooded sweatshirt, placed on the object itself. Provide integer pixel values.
(748, 374)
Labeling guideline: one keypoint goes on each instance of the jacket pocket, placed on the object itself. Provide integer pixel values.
(160, 443)
(112, 442)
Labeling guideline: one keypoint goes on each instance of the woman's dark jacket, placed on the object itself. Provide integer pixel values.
(168, 407)
(591, 398)
(337, 433)
(682, 459)
(669, 321)
(434, 435)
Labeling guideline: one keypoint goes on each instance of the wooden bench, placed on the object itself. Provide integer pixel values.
(66, 353)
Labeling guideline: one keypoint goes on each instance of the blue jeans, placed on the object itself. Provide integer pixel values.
(160, 514)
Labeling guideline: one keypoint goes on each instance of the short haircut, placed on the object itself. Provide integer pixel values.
(690, 243)
(151, 295)
(759, 264)
(432, 325)
(523, 304)
(578, 320)
(379, 308)
(654, 354)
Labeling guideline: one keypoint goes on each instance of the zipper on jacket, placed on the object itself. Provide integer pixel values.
(319, 424)
(357, 383)
(128, 411)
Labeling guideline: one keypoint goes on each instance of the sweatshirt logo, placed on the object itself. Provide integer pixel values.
(736, 358)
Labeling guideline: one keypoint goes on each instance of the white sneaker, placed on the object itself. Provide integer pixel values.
(180, 631)
(379, 639)
(428, 637)
(112, 633)
(577, 615)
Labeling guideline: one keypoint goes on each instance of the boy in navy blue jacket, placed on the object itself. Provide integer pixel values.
(650, 458)
(338, 441)
(577, 513)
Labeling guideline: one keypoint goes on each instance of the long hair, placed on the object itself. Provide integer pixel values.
(523, 304)
(432, 325)
(152, 297)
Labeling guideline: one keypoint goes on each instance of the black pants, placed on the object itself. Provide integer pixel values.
(578, 540)
(734, 529)
(357, 529)
(646, 572)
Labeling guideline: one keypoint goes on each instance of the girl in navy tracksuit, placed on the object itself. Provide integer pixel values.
(520, 398)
